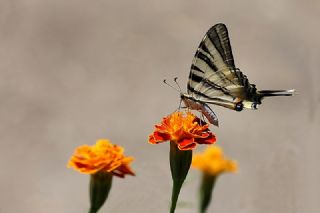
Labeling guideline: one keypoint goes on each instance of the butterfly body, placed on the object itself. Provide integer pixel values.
(194, 104)
(214, 79)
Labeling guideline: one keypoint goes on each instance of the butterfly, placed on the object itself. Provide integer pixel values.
(214, 79)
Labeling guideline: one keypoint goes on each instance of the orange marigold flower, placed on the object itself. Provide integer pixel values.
(213, 162)
(101, 157)
(185, 129)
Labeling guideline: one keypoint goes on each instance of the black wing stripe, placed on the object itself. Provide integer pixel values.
(199, 93)
(214, 38)
(190, 88)
(209, 83)
(208, 97)
(218, 35)
(194, 67)
(204, 48)
(242, 78)
(206, 60)
(196, 78)
(211, 64)
(225, 43)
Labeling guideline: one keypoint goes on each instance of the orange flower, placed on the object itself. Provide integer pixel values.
(186, 130)
(103, 156)
(213, 162)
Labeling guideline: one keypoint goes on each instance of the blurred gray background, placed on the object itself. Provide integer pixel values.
(75, 71)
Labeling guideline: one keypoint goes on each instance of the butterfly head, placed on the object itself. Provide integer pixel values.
(190, 102)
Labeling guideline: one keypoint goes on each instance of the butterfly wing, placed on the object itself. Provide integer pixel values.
(213, 77)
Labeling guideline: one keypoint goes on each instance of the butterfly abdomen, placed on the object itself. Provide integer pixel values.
(209, 114)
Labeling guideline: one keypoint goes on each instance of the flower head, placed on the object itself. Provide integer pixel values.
(213, 162)
(101, 157)
(185, 129)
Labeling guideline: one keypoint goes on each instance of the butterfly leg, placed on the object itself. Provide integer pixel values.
(202, 119)
(180, 104)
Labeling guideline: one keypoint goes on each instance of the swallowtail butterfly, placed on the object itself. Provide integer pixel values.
(214, 78)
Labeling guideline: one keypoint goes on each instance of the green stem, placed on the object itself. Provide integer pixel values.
(100, 185)
(175, 194)
(206, 188)
(93, 210)
(180, 162)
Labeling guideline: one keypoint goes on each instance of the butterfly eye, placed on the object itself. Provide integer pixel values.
(239, 107)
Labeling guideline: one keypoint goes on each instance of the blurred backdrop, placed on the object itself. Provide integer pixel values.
(75, 71)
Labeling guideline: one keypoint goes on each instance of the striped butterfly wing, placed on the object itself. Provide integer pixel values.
(213, 76)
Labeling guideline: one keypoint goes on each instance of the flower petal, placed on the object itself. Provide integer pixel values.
(158, 137)
(186, 144)
(210, 139)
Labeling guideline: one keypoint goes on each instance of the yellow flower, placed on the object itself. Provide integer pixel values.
(101, 157)
(213, 162)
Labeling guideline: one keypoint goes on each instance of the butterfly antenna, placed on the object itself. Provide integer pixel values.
(176, 81)
(165, 81)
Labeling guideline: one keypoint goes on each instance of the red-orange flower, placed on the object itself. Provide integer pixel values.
(101, 157)
(185, 129)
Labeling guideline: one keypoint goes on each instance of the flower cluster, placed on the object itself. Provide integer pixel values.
(185, 129)
(213, 162)
(101, 157)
